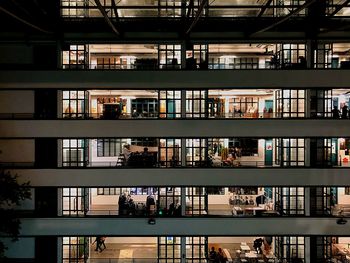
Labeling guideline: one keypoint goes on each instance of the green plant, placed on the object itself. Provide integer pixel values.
(11, 194)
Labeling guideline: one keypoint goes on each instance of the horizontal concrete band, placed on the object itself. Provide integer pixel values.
(174, 128)
(182, 226)
(116, 79)
(90, 177)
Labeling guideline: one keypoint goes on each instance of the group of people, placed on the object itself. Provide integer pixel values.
(138, 159)
(217, 256)
(236, 200)
(344, 113)
(126, 205)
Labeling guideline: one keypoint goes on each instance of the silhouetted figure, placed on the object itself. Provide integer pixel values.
(257, 245)
(335, 113)
(302, 62)
(98, 242)
(344, 112)
(212, 255)
(221, 256)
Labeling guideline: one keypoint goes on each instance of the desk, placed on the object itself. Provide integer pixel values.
(254, 210)
(245, 248)
(251, 256)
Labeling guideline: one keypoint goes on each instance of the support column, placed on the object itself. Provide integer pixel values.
(183, 55)
(59, 54)
(307, 248)
(307, 156)
(59, 249)
(183, 201)
(310, 53)
(183, 104)
(59, 201)
(183, 152)
(307, 103)
(307, 201)
(183, 249)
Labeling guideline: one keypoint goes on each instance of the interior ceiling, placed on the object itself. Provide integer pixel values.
(341, 47)
(123, 48)
(213, 48)
(152, 48)
(153, 93)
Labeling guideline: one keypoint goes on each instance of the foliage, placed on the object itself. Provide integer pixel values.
(11, 194)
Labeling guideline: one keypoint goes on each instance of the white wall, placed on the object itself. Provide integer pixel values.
(229, 240)
(17, 150)
(342, 198)
(344, 240)
(16, 101)
(259, 128)
(23, 248)
(132, 240)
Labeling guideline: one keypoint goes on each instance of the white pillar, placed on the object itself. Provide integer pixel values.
(307, 200)
(307, 248)
(307, 155)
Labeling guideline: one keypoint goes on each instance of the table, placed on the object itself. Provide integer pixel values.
(254, 210)
(245, 248)
(251, 256)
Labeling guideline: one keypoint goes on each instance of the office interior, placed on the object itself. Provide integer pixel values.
(80, 9)
(204, 152)
(236, 249)
(212, 56)
(240, 201)
(205, 103)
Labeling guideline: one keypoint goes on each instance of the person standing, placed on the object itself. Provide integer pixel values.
(335, 113)
(221, 258)
(212, 255)
(344, 112)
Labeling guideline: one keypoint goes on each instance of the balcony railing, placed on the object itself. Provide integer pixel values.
(140, 163)
(162, 116)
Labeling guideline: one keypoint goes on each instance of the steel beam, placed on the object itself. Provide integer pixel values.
(284, 19)
(340, 7)
(198, 14)
(263, 9)
(114, 6)
(107, 19)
